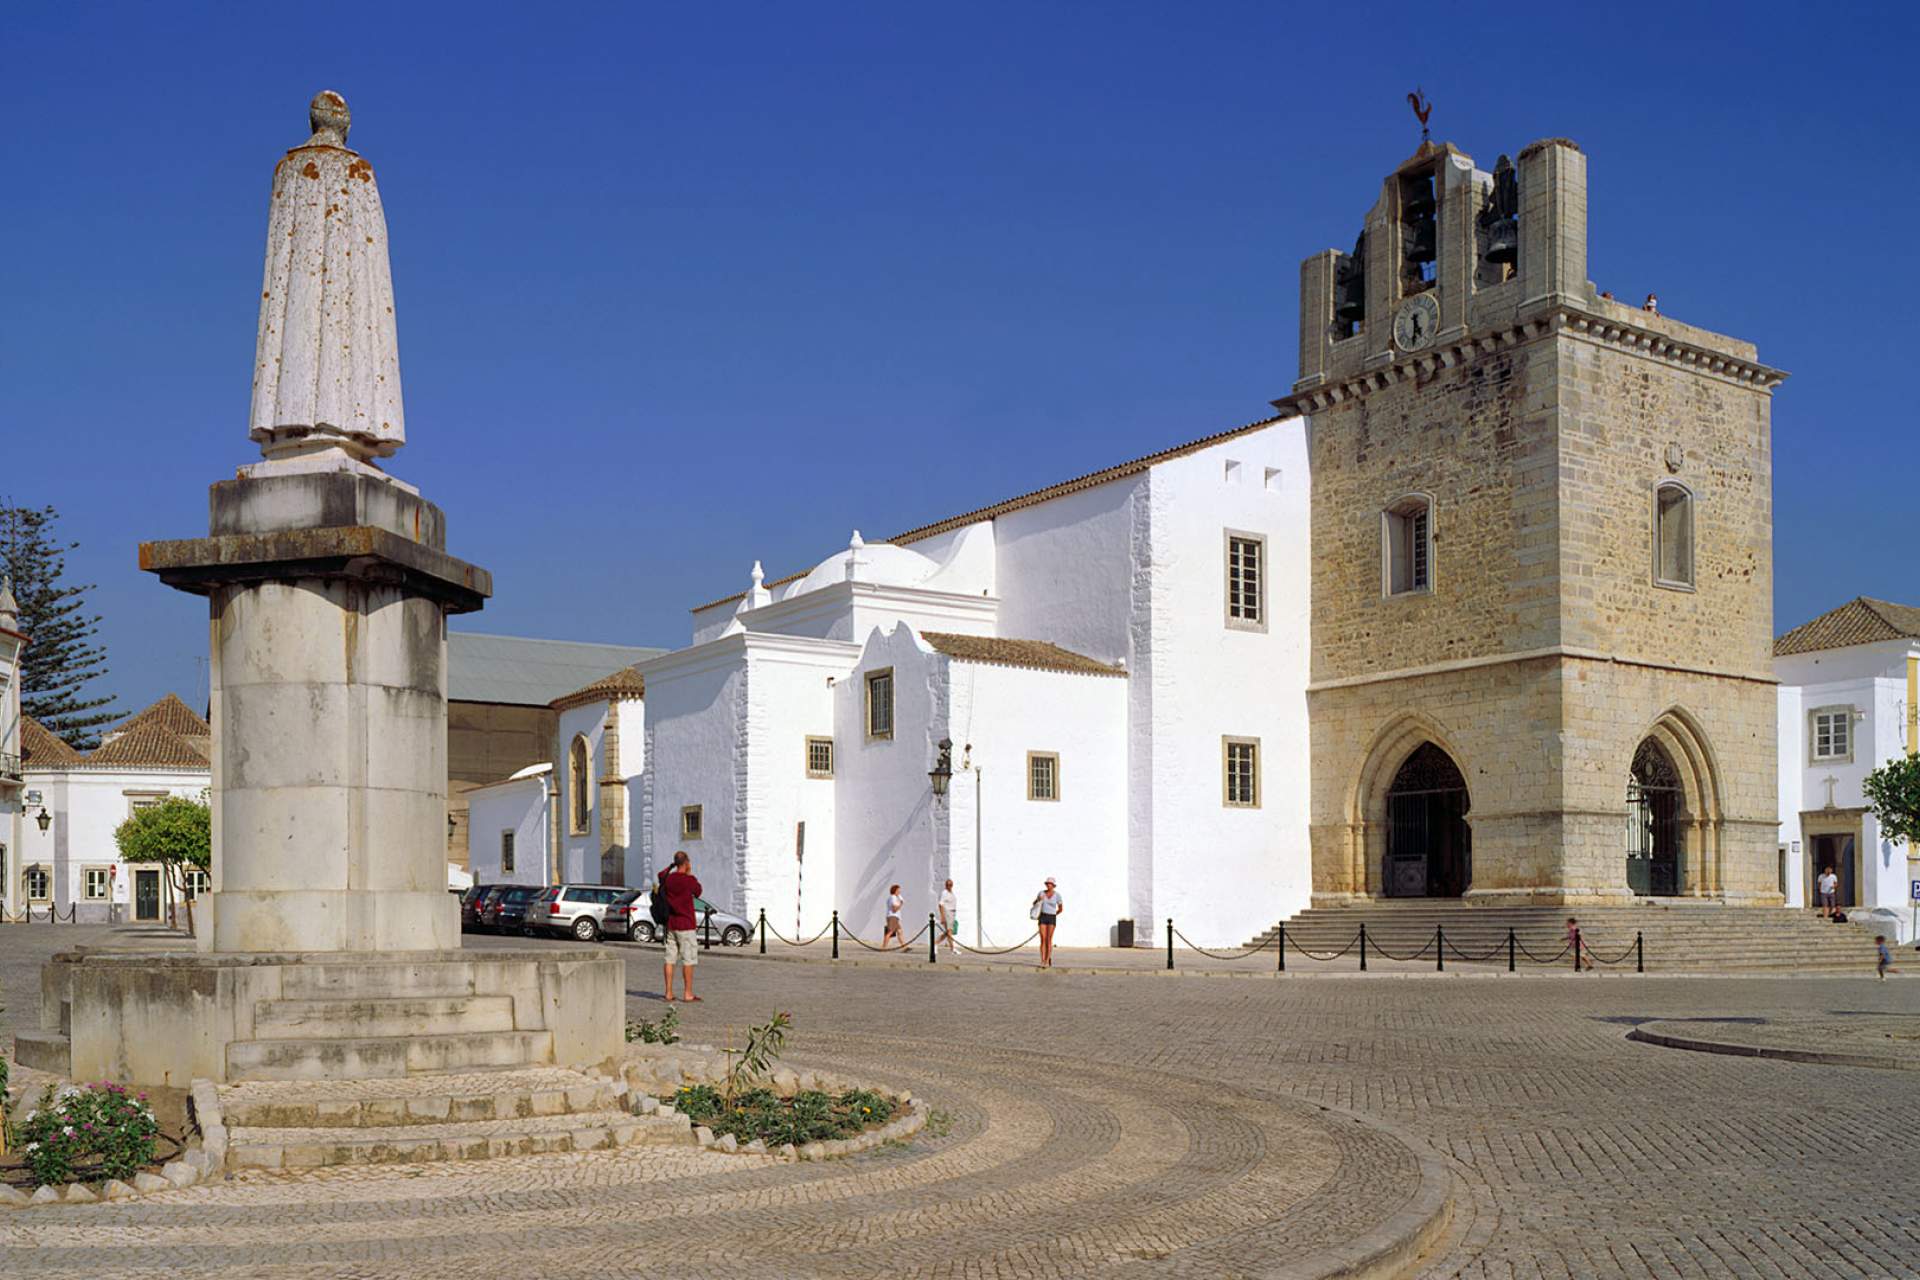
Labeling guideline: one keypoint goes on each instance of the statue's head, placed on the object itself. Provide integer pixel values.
(328, 115)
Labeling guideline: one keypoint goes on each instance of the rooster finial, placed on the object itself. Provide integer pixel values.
(1422, 108)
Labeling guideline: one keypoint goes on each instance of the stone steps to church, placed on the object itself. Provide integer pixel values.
(415, 1100)
(376, 1057)
(304, 1019)
(289, 1147)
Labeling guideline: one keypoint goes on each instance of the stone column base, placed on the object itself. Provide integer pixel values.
(302, 920)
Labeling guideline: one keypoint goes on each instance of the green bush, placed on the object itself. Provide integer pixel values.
(808, 1116)
(665, 1031)
(99, 1131)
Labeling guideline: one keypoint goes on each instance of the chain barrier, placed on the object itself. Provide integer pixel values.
(1385, 954)
(809, 942)
(1492, 953)
(1622, 958)
(999, 951)
(1555, 958)
(1215, 955)
(907, 946)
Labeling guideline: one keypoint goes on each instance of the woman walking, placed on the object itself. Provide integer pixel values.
(1581, 960)
(894, 903)
(1047, 906)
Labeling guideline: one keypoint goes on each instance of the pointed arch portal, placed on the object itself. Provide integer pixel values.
(1656, 804)
(1429, 844)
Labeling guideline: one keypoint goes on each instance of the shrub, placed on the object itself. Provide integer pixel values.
(808, 1116)
(97, 1131)
(665, 1031)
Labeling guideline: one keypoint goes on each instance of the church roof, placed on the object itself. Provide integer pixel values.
(1088, 481)
(527, 672)
(1861, 620)
(41, 748)
(624, 683)
(1001, 651)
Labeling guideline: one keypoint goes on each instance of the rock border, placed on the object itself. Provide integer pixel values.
(648, 1070)
(201, 1157)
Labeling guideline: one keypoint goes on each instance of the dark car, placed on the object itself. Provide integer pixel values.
(506, 912)
(470, 900)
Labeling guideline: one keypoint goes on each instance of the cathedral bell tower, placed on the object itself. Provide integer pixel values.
(1542, 561)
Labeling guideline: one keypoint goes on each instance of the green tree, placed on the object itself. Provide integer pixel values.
(177, 833)
(62, 655)
(1893, 792)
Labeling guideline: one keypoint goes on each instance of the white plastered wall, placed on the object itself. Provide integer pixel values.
(580, 850)
(696, 718)
(518, 805)
(87, 807)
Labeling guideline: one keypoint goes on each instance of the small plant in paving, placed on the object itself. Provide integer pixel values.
(809, 1116)
(665, 1031)
(765, 1044)
(94, 1131)
(939, 1123)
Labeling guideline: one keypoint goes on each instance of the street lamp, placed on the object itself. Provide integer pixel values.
(43, 819)
(942, 772)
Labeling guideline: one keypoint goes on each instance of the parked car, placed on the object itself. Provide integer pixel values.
(470, 900)
(578, 909)
(506, 911)
(632, 918)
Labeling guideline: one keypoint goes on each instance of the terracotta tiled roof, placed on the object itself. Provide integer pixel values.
(173, 715)
(150, 745)
(1002, 652)
(624, 683)
(1075, 485)
(41, 749)
(1859, 621)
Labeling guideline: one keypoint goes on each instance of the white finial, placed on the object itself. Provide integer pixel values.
(759, 575)
(856, 544)
(757, 594)
(856, 563)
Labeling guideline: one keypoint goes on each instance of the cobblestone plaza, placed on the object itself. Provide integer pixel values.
(1129, 1124)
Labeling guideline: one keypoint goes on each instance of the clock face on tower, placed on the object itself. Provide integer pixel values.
(1416, 322)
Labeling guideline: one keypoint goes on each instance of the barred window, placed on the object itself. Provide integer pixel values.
(692, 824)
(819, 757)
(1240, 761)
(506, 853)
(1408, 554)
(880, 703)
(1043, 775)
(1246, 581)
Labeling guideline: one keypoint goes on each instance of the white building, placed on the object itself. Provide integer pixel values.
(508, 828)
(13, 784)
(1117, 665)
(1849, 702)
(73, 865)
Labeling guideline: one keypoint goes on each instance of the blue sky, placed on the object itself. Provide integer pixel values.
(684, 286)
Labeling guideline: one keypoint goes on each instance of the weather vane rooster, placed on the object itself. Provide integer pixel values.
(1422, 108)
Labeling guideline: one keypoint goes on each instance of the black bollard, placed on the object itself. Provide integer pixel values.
(1169, 943)
(1509, 950)
(836, 935)
(763, 931)
(1282, 948)
(709, 941)
(1363, 946)
(930, 938)
(1639, 953)
(1440, 948)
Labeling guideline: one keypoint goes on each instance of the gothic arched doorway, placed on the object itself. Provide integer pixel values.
(1429, 844)
(1655, 800)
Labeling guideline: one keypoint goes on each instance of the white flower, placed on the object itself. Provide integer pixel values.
(33, 1146)
(68, 1131)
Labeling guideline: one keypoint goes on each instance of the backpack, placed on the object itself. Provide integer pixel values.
(657, 904)
(1839, 917)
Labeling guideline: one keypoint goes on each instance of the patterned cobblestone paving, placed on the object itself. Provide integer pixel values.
(1105, 1127)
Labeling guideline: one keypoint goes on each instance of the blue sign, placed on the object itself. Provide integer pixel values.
(1916, 890)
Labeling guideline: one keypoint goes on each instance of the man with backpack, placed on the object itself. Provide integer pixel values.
(672, 906)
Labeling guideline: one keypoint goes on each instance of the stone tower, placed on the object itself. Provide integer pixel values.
(1542, 561)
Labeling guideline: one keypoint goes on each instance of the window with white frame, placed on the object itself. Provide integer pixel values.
(819, 757)
(692, 822)
(1246, 581)
(506, 853)
(1673, 536)
(39, 884)
(98, 884)
(1043, 775)
(880, 703)
(1831, 734)
(197, 883)
(1406, 554)
(1240, 772)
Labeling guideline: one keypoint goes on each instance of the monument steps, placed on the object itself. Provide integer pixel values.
(376, 1057)
(381, 1016)
(304, 1148)
(1689, 937)
(490, 1095)
(43, 1050)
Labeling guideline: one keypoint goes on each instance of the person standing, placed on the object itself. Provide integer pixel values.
(949, 914)
(1885, 966)
(1829, 887)
(1047, 906)
(894, 904)
(1581, 959)
(680, 888)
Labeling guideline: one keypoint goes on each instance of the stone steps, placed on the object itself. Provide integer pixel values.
(382, 1057)
(432, 1099)
(304, 1019)
(291, 1147)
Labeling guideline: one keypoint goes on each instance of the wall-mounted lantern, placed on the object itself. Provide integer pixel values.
(942, 772)
(43, 819)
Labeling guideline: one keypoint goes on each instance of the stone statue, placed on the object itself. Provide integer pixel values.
(326, 379)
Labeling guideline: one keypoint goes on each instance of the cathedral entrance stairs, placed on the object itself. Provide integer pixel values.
(1682, 938)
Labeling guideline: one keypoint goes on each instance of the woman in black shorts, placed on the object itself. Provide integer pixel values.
(1047, 906)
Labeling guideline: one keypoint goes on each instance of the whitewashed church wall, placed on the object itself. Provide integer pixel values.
(790, 696)
(708, 623)
(1792, 752)
(1079, 839)
(580, 850)
(695, 717)
(883, 805)
(967, 557)
(1222, 873)
(520, 806)
(1065, 569)
(632, 720)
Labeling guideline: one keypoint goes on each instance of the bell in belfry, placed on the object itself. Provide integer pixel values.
(1500, 220)
(1350, 284)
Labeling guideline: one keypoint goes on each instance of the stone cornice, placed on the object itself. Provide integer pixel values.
(1623, 336)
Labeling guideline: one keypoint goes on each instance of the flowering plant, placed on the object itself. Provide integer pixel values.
(101, 1129)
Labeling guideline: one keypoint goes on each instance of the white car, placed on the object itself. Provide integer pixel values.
(633, 917)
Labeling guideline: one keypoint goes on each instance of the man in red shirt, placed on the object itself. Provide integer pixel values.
(679, 887)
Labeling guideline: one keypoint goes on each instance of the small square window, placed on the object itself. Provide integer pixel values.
(819, 757)
(198, 882)
(1240, 767)
(1832, 733)
(39, 884)
(692, 825)
(99, 884)
(506, 852)
(880, 703)
(1043, 775)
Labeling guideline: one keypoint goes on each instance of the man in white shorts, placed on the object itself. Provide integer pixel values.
(679, 887)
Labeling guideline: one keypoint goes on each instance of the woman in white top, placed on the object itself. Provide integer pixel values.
(949, 914)
(894, 903)
(1047, 906)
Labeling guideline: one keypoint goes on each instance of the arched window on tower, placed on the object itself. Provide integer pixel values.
(1406, 552)
(1673, 536)
(579, 785)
